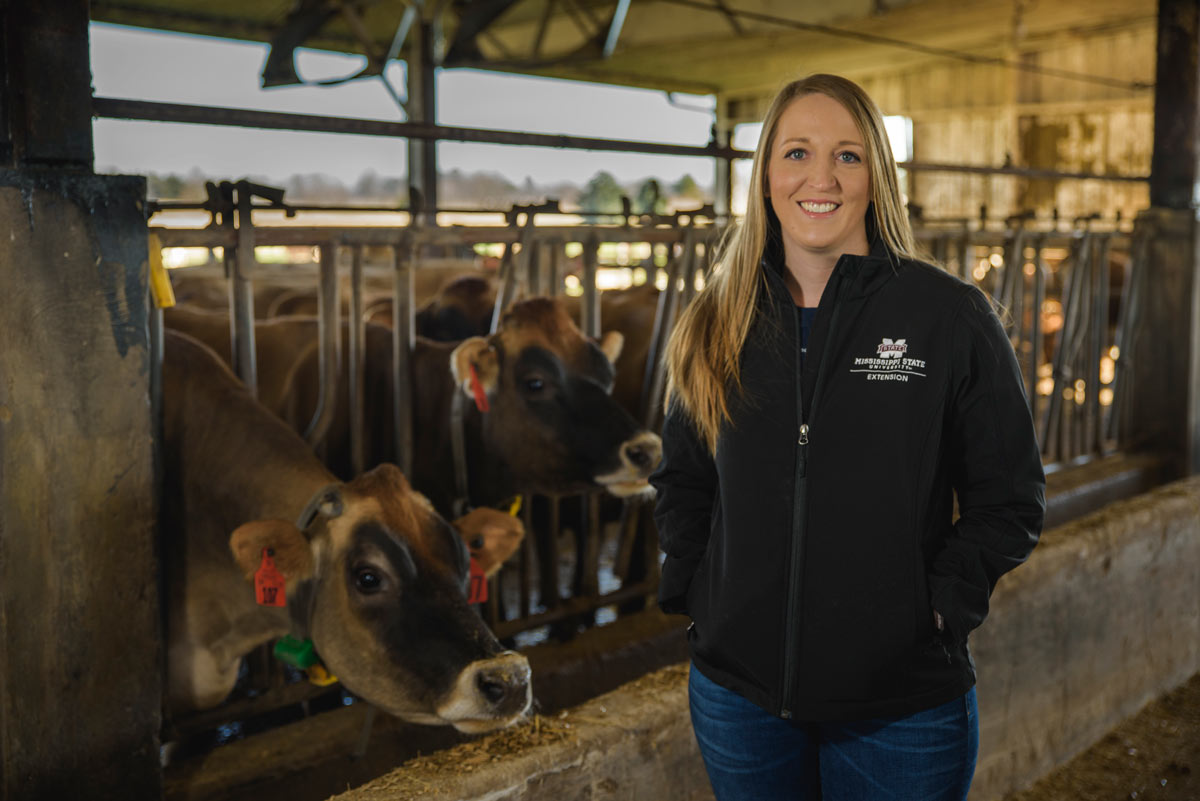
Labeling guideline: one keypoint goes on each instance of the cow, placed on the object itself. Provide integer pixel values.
(492, 536)
(278, 344)
(537, 416)
(367, 569)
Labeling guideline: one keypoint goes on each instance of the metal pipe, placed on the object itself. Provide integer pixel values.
(664, 319)
(590, 313)
(128, 109)
(327, 349)
(403, 339)
(357, 364)
(571, 607)
(241, 295)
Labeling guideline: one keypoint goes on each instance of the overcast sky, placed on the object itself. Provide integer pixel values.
(134, 63)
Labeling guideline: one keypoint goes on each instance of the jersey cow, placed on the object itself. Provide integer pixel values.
(370, 572)
(536, 413)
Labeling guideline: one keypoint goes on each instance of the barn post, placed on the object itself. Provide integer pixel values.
(722, 136)
(80, 650)
(1166, 352)
(422, 107)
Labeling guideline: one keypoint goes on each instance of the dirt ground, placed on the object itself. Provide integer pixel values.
(1152, 756)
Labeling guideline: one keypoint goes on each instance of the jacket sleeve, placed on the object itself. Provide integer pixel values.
(995, 466)
(686, 481)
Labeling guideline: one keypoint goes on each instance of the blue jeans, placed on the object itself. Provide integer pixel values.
(751, 755)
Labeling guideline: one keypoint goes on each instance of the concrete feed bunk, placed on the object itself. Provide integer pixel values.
(1103, 618)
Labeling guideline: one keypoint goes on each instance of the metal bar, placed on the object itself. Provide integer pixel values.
(664, 320)
(1098, 339)
(590, 311)
(127, 109)
(243, 709)
(554, 269)
(357, 364)
(403, 339)
(1127, 320)
(528, 559)
(573, 606)
(241, 295)
(383, 236)
(614, 27)
(327, 349)
(1037, 336)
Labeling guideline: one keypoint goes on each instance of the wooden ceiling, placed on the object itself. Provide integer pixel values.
(701, 46)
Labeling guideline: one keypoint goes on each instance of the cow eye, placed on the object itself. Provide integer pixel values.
(367, 581)
(534, 384)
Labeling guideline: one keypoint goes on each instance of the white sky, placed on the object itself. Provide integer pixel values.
(139, 64)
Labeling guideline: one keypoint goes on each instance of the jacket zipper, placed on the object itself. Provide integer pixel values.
(791, 638)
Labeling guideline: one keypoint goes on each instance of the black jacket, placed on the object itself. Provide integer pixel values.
(811, 551)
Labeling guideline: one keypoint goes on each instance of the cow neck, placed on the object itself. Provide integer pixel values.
(301, 611)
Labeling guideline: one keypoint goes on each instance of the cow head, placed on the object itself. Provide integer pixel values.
(379, 581)
(551, 417)
(491, 535)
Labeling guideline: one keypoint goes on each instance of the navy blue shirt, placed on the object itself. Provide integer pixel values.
(807, 315)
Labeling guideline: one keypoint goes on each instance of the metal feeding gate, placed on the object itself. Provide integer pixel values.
(1069, 300)
(532, 263)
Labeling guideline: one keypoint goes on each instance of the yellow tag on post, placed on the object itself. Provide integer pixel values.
(160, 284)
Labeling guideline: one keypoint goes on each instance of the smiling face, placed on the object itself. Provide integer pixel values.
(818, 181)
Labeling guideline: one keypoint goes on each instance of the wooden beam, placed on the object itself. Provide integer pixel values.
(1173, 180)
(80, 649)
(47, 89)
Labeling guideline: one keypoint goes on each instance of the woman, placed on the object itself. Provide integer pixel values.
(829, 394)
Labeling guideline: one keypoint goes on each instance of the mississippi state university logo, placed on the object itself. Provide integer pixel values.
(891, 362)
(891, 350)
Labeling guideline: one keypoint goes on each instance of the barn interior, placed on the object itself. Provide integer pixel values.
(1052, 159)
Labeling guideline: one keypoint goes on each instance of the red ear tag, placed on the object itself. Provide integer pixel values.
(477, 591)
(481, 401)
(269, 584)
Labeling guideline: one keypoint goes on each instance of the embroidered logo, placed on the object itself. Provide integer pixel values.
(890, 362)
(892, 350)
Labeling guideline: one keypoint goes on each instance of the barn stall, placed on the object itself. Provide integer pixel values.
(1032, 172)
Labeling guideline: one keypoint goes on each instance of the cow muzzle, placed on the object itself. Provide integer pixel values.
(639, 456)
(488, 694)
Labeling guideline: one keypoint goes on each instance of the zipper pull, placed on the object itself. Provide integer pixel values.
(804, 433)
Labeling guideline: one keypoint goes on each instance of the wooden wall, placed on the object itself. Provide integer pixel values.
(984, 114)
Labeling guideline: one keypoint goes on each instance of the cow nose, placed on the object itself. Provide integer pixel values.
(642, 453)
(503, 682)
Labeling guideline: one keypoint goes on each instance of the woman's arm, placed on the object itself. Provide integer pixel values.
(686, 481)
(996, 469)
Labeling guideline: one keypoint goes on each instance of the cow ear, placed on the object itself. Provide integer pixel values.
(478, 353)
(612, 343)
(293, 553)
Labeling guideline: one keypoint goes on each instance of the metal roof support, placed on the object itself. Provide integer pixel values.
(614, 27)
(422, 108)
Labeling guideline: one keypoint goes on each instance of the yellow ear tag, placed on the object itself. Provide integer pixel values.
(318, 675)
(160, 284)
(515, 509)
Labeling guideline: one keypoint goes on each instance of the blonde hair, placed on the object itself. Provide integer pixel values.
(703, 355)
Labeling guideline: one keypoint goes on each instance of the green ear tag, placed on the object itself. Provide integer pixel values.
(297, 653)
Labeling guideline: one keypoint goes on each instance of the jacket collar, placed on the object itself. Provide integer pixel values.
(856, 276)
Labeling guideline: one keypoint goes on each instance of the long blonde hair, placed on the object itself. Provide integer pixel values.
(703, 356)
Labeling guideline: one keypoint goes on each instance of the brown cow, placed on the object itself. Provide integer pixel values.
(371, 573)
(491, 535)
(278, 344)
(551, 426)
